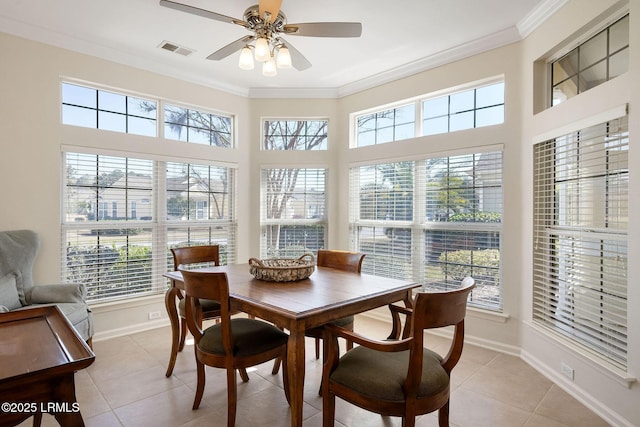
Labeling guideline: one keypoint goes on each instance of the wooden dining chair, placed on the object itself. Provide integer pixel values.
(232, 344)
(340, 260)
(192, 255)
(398, 378)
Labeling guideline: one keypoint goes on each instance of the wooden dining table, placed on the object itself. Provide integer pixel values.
(328, 294)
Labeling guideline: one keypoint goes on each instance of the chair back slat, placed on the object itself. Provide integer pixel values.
(340, 260)
(439, 309)
(195, 254)
(213, 286)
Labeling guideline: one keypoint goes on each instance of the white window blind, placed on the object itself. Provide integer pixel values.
(293, 217)
(432, 220)
(580, 238)
(123, 214)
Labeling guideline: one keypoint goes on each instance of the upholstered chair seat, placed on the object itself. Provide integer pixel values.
(249, 336)
(380, 375)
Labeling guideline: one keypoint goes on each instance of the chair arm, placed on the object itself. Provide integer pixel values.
(57, 293)
(386, 346)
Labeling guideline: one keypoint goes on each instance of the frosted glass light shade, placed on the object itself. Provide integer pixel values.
(262, 51)
(269, 68)
(284, 58)
(246, 59)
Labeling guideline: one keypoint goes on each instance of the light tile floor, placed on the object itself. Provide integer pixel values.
(126, 386)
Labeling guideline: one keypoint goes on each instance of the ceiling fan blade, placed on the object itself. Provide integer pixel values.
(202, 12)
(298, 60)
(324, 29)
(271, 6)
(230, 48)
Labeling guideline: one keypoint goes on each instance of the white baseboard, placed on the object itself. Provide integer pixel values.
(579, 394)
(131, 329)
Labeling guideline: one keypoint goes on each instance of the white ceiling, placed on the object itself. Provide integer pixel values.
(399, 38)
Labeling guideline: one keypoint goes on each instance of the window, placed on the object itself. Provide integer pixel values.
(581, 192)
(119, 222)
(88, 107)
(294, 134)
(433, 220)
(599, 59)
(482, 106)
(293, 217)
(385, 126)
(184, 124)
(472, 108)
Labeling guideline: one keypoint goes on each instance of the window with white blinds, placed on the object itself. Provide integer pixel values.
(581, 189)
(293, 217)
(121, 216)
(433, 220)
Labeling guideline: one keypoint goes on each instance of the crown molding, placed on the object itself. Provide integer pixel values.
(526, 26)
(543, 11)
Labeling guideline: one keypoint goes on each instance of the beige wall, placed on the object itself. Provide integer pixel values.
(32, 138)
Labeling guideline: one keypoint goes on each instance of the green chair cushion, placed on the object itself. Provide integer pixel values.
(381, 375)
(250, 336)
(206, 304)
(9, 296)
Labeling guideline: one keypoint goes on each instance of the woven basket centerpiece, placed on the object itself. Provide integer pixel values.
(282, 269)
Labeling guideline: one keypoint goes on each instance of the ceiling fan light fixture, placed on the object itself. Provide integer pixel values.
(269, 68)
(284, 58)
(262, 50)
(246, 59)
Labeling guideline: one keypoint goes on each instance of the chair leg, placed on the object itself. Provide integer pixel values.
(276, 365)
(243, 375)
(328, 409)
(200, 385)
(232, 397)
(443, 415)
(183, 334)
(285, 380)
(317, 348)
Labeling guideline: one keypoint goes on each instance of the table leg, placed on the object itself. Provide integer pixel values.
(172, 312)
(64, 392)
(296, 368)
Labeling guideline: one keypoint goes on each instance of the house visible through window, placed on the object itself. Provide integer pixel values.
(119, 252)
(434, 220)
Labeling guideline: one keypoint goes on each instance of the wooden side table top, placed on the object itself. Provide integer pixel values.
(40, 342)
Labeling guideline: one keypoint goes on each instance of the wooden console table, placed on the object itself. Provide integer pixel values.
(39, 354)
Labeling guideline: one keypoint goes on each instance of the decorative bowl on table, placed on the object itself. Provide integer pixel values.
(282, 269)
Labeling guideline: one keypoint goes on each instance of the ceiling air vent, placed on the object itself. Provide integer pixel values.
(173, 47)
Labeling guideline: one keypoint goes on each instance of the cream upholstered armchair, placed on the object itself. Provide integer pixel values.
(18, 249)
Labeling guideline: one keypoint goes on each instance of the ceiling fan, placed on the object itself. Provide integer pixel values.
(267, 22)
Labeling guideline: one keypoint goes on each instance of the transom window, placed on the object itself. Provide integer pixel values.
(479, 107)
(472, 108)
(389, 125)
(185, 124)
(597, 60)
(99, 109)
(294, 134)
